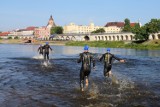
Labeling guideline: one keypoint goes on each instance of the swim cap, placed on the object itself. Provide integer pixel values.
(47, 43)
(108, 49)
(86, 47)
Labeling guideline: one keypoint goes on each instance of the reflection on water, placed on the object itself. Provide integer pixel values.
(27, 80)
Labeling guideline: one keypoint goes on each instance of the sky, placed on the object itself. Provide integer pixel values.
(19, 14)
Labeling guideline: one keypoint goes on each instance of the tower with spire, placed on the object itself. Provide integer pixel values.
(51, 23)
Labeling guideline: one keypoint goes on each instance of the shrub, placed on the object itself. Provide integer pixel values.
(16, 37)
(9, 37)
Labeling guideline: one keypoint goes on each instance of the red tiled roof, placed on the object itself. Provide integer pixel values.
(132, 24)
(118, 24)
(30, 28)
(4, 33)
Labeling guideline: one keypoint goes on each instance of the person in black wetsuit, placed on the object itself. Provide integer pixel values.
(86, 58)
(46, 48)
(40, 50)
(107, 57)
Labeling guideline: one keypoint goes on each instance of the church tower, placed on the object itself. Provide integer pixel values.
(51, 22)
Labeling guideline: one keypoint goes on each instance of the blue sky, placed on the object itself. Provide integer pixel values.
(16, 14)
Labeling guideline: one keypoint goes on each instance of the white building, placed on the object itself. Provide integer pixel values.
(23, 32)
(80, 29)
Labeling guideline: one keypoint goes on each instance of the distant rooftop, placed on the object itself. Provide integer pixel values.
(118, 24)
(4, 33)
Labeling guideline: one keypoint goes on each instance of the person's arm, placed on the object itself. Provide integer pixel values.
(119, 59)
(122, 60)
(38, 49)
(101, 57)
(80, 58)
(93, 61)
(50, 48)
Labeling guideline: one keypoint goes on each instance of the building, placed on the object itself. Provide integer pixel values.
(79, 29)
(29, 31)
(110, 27)
(44, 31)
(115, 27)
(4, 34)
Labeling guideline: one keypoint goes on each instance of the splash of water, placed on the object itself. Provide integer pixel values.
(93, 91)
(38, 57)
(46, 63)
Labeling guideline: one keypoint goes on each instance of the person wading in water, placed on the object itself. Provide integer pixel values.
(86, 58)
(107, 58)
(46, 48)
(40, 49)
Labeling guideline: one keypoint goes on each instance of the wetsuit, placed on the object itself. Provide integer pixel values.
(46, 51)
(86, 59)
(40, 49)
(107, 57)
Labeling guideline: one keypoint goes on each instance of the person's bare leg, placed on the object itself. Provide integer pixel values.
(109, 73)
(82, 89)
(87, 81)
(82, 85)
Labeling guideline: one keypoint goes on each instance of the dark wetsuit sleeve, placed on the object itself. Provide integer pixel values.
(116, 58)
(50, 48)
(101, 57)
(93, 60)
(80, 58)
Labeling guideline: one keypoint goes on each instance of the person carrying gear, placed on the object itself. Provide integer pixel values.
(107, 58)
(86, 58)
(40, 50)
(46, 48)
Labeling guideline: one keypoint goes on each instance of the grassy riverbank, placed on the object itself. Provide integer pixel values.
(151, 45)
(20, 41)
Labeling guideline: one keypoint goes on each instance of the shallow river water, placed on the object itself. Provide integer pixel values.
(26, 81)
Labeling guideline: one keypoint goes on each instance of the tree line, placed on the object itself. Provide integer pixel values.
(142, 32)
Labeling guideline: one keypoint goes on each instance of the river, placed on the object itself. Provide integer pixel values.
(26, 81)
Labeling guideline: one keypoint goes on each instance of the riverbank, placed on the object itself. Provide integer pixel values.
(150, 45)
(19, 41)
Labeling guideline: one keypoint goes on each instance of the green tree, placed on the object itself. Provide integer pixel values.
(153, 26)
(127, 27)
(137, 31)
(101, 30)
(9, 37)
(57, 30)
(141, 33)
(16, 37)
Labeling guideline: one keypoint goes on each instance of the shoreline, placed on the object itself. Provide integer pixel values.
(18, 41)
(148, 45)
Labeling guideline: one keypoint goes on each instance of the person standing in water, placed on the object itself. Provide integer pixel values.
(86, 58)
(40, 50)
(46, 49)
(107, 58)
